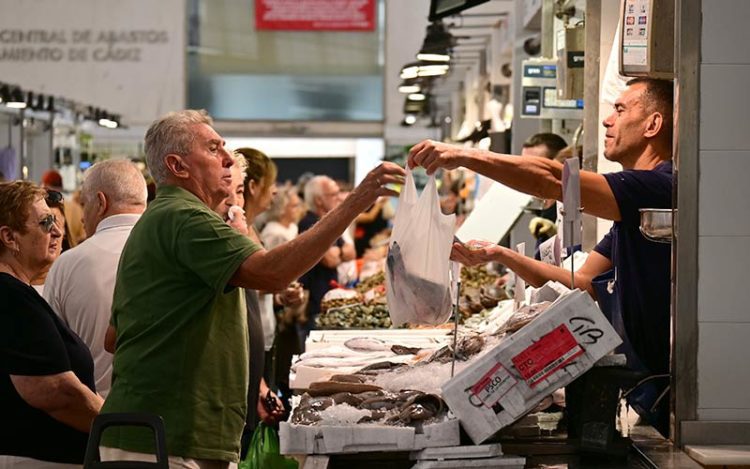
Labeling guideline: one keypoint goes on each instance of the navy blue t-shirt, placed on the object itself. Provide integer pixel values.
(35, 342)
(318, 279)
(642, 267)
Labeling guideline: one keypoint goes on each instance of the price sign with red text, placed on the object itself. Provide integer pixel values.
(550, 353)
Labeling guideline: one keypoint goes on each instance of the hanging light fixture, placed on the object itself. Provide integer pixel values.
(423, 68)
(409, 119)
(16, 99)
(406, 87)
(416, 97)
(437, 44)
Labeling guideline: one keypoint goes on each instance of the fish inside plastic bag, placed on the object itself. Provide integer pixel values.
(418, 285)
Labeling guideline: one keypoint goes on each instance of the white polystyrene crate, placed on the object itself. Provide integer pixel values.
(355, 438)
(499, 462)
(551, 351)
(458, 452)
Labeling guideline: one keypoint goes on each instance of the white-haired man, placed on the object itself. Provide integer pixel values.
(179, 328)
(80, 284)
(322, 194)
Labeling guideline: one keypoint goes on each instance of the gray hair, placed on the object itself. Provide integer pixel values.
(171, 134)
(314, 189)
(279, 202)
(119, 179)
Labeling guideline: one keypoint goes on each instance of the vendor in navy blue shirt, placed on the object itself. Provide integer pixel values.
(639, 137)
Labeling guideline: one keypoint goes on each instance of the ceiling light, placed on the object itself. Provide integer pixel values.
(406, 89)
(432, 70)
(416, 97)
(16, 100)
(437, 44)
(410, 71)
(107, 121)
(410, 119)
(434, 57)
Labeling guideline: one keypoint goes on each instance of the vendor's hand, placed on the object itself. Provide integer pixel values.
(433, 155)
(539, 226)
(475, 252)
(292, 296)
(502, 280)
(267, 416)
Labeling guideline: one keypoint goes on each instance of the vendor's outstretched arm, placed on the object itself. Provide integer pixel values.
(529, 174)
(275, 269)
(534, 272)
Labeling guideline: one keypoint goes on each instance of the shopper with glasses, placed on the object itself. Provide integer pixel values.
(55, 201)
(47, 392)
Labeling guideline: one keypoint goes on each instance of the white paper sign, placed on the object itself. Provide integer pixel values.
(549, 251)
(572, 219)
(519, 289)
(126, 57)
(494, 215)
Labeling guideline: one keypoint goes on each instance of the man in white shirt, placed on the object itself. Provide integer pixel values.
(81, 282)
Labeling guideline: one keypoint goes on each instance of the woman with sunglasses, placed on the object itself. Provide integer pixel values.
(47, 394)
(55, 202)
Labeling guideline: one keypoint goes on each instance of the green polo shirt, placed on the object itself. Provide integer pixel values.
(182, 340)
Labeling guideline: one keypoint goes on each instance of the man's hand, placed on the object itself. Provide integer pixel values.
(476, 252)
(267, 412)
(292, 296)
(433, 155)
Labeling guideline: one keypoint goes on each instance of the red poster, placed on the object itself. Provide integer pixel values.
(315, 15)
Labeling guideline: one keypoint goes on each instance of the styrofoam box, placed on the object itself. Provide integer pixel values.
(548, 353)
(458, 452)
(499, 462)
(335, 439)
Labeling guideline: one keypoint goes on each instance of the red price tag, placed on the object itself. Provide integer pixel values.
(549, 354)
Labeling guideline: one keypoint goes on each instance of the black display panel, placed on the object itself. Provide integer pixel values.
(442, 8)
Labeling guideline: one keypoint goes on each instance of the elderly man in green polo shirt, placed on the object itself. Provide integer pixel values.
(179, 327)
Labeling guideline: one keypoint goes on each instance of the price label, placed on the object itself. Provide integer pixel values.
(494, 385)
(550, 353)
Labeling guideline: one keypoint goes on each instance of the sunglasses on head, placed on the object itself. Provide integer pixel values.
(48, 223)
(54, 198)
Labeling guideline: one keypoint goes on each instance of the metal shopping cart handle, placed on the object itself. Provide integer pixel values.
(92, 460)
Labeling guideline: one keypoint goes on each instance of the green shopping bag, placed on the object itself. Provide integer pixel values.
(263, 452)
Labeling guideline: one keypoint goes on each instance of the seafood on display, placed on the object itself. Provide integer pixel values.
(374, 406)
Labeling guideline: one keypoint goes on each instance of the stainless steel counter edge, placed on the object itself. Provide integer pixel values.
(660, 453)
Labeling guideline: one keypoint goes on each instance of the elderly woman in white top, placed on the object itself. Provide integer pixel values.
(282, 216)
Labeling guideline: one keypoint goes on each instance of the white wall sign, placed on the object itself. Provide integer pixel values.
(127, 57)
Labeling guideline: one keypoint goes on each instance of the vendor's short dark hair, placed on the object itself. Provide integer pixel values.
(553, 142)
(658, 97)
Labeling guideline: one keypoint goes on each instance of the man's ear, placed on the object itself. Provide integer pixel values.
(177, 166)
(103, 203)
(252, 187)
(654, 124)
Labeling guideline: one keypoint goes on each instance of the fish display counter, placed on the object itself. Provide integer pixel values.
(408, 389)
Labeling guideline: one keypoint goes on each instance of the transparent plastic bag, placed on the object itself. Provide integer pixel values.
(418, 285)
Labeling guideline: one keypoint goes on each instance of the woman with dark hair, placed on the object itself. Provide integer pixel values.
(47, 394)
